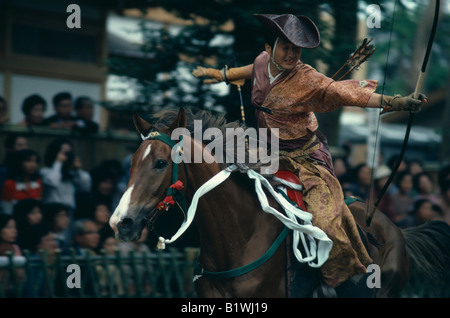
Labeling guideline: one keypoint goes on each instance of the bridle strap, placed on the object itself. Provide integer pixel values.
(173, 192)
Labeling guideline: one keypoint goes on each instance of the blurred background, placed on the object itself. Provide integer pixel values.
(131, 55)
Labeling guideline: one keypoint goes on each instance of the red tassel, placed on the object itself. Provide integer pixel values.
(168, 200)
(161, 206)
(177, 185)
(165, 204)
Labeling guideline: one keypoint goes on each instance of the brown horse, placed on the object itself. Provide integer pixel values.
(233, 229)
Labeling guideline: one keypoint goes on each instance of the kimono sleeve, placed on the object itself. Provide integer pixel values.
(349, 93)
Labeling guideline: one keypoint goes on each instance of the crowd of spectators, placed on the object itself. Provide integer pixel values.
(52, 202)
(46, 202)
(57, 195)
(413, 198)
(68, 114)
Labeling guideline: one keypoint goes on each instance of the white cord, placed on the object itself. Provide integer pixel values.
(304, 230)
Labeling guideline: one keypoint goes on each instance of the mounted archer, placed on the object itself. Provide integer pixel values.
(286, 93)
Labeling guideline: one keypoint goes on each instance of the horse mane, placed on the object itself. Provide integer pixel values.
(162, 120)
(428, 246)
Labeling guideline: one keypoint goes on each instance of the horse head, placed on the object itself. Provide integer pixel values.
(151, 175)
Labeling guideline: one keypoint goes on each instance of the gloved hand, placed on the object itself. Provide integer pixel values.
(214, 74)
(236, 75)
(398, 103)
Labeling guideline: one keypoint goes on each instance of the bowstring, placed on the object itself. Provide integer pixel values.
(371, 199)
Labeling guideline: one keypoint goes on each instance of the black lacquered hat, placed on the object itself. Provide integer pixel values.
(297, 29)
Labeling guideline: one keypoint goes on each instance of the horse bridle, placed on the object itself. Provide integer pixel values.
(173, 192)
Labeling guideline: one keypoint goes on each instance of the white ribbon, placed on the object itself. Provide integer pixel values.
(205, 188)
(303, 231)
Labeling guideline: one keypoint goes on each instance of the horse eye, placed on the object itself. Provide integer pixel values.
(160, 164)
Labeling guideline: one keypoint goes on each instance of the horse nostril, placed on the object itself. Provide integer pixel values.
(124, 226)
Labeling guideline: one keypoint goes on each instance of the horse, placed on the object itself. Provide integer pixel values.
(234, 231)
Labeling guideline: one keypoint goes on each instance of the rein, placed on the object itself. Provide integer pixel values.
(200, 272)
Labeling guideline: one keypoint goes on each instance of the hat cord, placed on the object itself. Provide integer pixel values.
(273, 54)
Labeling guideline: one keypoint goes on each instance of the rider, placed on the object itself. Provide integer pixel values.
(286, 93)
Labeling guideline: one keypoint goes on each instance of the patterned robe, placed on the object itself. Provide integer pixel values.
(293, 98)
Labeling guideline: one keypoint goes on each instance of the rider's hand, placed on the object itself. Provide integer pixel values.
(399, 103)
(215, 76)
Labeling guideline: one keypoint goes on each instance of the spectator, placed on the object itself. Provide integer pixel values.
(108, 244)
(8, 238)
(97, 211)
(421, 213)
(102, 214)
(63, 118)
(39, 238)
(40, 242)
(443, 176)
(402, 201)
(341, 169)
(56, 216)
(423, 185)
(85, 236)
(381, 176)
(393, 160)
(13, 142)
(33, 108)
(140, 248)
(438, 212)
(444, 200)
(108, 241)
(8, 235)
(27, 213)
(361, 181)
(4, 117)
(24, 180)
(84, 109)
(106, 186)
(63, 177)
(415, 167)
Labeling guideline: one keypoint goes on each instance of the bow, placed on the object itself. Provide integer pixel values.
(411, 113)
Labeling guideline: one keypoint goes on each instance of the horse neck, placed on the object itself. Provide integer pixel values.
(229, 219)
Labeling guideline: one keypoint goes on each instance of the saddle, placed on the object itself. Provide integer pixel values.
(293, 188)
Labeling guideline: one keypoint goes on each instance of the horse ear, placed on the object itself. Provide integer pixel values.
(180, 121)
(142, 126)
